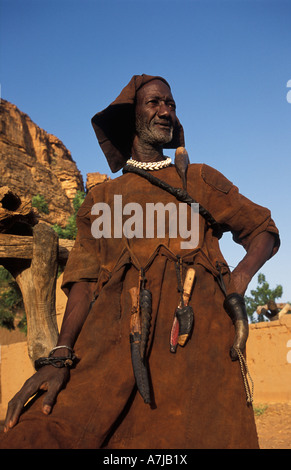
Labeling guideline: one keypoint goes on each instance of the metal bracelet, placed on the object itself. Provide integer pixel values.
(60, 347)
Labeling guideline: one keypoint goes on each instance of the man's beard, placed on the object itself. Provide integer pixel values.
(151, 133)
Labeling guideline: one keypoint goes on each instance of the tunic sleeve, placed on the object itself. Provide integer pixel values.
(83, 263)
(249, 221)
(236, 213)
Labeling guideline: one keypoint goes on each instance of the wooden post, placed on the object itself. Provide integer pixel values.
(37, 281)
(20, 248)
(33, 262)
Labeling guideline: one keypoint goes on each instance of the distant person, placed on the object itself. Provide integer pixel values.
(144, 357)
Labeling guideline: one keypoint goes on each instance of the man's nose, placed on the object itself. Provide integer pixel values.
(164, 109)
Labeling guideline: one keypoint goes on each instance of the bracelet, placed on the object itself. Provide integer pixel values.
(60, 347)
(56, 361)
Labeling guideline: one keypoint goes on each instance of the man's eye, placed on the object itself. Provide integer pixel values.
(172, 105)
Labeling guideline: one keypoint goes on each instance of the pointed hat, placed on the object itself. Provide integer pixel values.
(115, 125)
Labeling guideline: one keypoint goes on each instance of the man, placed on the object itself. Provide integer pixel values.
(197, 396)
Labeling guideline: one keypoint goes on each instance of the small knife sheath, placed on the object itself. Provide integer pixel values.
(138, 364)
(184, 316)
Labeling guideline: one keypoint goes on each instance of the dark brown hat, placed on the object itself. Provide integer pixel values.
(115, 125)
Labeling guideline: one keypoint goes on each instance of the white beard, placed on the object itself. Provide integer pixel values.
(152, 134)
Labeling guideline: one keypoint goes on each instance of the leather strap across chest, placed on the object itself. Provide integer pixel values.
(180, 194)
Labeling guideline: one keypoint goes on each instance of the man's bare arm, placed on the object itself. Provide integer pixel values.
(259, 251)
(77, 309)
(48, 377)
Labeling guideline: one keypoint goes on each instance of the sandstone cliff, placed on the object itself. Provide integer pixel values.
(34, 162)
(95, 178)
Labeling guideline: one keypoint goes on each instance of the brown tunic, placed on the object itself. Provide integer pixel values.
(199, 399)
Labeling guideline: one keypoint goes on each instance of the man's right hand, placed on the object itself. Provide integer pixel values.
(48, 378)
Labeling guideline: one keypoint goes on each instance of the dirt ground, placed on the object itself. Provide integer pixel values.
(273, 425)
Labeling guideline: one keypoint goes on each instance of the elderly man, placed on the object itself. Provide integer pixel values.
(119, 377)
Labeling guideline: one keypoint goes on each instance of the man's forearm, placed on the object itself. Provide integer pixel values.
(259, 251)
(76, 312)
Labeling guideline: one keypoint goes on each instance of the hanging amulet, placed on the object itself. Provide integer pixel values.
(145, 303)
(184, 316)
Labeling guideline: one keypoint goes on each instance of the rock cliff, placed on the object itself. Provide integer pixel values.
(95, 178)
(33, 162)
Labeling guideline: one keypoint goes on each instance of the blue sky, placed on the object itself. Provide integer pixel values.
(228, 63)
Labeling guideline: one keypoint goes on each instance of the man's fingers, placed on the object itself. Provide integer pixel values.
(16, 404)
(46, 409)
(46, 378)
(50, 398)
(13, 413)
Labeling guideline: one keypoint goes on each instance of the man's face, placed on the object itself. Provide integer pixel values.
(155, 114)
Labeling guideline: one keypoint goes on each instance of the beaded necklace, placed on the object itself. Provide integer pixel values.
(150, 165)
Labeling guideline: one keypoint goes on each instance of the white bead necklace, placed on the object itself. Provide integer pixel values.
(150, 165)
